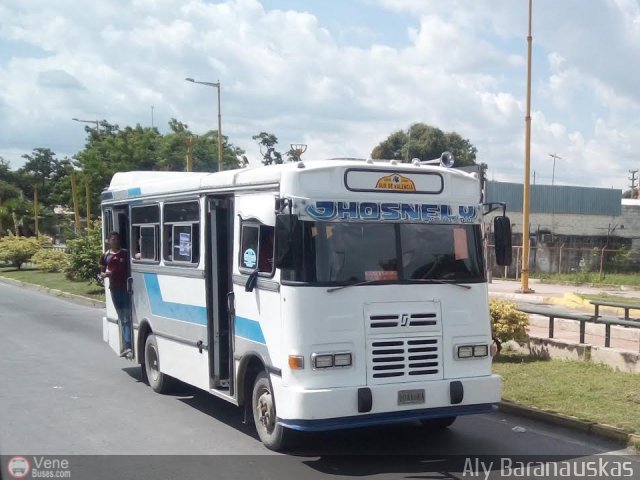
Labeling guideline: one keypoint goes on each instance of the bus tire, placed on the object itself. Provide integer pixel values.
(158, 381)
(263, 406)
(438, 423)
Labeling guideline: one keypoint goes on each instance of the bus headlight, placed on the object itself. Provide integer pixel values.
(472, 351)
(322, 361)
(465, 351)
(329, 360)
(342, 359)
(480, 350)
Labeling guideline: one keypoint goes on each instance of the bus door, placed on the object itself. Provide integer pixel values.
(219, 240)
(115, 218)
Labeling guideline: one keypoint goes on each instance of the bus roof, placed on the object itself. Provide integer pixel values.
(154, 182)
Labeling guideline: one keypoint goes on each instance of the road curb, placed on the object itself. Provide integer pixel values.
(79, 299)
(593, 428)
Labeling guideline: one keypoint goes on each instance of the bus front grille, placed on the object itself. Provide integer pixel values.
(383, 323)
(403, 360)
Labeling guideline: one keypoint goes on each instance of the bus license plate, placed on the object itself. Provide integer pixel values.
(409, 397)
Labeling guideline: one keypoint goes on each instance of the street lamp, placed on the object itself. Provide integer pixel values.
(553, 172)
(97, 122)
(217, 85)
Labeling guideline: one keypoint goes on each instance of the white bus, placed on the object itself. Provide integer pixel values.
(317, 295)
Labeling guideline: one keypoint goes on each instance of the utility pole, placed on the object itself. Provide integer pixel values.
(151, 117)
(190, 142)
(633, 180)
(553, 172)
(217, 86)
(88, 200)
(35, 209)
(74, 195)
(527, 167)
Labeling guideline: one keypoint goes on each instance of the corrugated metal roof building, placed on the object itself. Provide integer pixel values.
(557, 199)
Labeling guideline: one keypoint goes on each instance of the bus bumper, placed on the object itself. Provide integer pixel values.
(337, 408)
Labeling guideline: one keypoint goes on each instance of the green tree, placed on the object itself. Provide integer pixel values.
(39, 171)
(267, 143)
(18, 216)
(139, 148)
(425, 143)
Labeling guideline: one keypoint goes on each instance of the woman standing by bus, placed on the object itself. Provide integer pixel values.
(114, 265)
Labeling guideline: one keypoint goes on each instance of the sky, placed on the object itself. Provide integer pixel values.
(337, 75)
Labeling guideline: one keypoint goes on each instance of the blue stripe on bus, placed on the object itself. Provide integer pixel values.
(134, 192)
(249, 329)
(386, 418)
(175, 311)
(244, 327)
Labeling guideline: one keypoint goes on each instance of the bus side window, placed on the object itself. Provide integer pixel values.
(107, 219)
(181, 228)
(145, 229)
(257, 248)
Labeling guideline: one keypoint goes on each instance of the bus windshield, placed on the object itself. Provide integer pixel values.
(345, 253)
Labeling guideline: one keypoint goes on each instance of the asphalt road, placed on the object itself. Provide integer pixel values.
(64, 392)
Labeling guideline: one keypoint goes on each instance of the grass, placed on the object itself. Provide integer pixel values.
(56, 281)
(584, 390)
(594, 278)
(605, 297)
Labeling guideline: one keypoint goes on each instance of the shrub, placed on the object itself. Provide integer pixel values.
(18, 250)
(507, 322)
(45, 240)
(51, 260)
(84, 254)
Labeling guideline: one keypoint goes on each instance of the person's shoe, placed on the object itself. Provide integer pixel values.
(129, 355)
(126, 352)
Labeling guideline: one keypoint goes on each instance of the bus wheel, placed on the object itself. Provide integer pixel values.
(158, 381)
(271, 433)
(438, 423)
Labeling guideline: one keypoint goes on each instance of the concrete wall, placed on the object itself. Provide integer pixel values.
(565, 224)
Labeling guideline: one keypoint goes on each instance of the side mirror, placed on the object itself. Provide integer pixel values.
(502, 236)
(288, 239)
(251, 282)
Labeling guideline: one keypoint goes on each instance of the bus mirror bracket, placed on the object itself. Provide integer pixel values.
(251, 281)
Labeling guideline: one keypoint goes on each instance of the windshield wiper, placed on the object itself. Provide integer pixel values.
(443, 282)
(364, 282)
(417, 280)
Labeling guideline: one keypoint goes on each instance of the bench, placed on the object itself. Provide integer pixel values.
(583, 318)
(608, 321)
(554, 313)
(626, 306)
